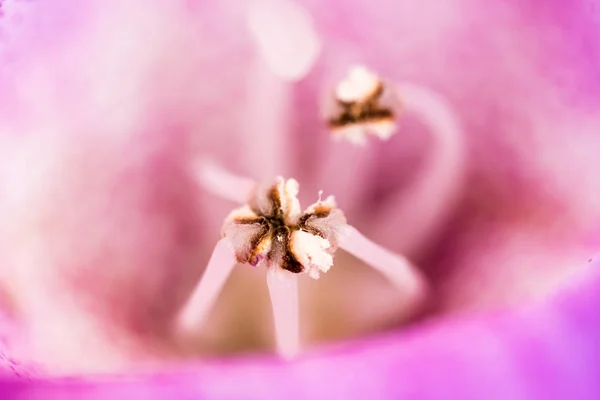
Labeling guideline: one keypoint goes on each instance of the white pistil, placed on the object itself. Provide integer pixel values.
(266, 116)
(286, 37)
(288, 46)
(283, 289)
(217, 271)
(313, 252)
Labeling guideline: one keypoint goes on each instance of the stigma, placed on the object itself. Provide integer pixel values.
(363, 105)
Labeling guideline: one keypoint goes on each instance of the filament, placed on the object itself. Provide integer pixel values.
(396, 268)
(217, 271)
(283, 289)
(424, 206)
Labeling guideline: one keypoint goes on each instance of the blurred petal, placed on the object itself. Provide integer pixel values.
(549, 350)
(522, 80)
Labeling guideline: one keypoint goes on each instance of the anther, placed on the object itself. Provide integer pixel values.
(273, 231)
(363, 104)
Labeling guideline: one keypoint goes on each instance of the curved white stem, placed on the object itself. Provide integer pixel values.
(266, 120)
(283, 288)
(288, 46)
(424, 206)
(285, 35)
(393, 266)
(217, 271)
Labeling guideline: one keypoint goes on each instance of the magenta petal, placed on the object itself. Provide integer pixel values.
(551, 350)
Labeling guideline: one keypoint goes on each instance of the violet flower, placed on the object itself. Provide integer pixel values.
(106, 109)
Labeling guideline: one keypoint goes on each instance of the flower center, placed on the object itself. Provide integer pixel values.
(272, 230)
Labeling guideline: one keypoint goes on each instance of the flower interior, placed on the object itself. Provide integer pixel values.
(129, 132)
(271, 231)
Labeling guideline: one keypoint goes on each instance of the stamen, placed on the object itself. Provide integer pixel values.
(272, 231)
(352, 116)
(283, 288)
(426, 204)
(286, 36)
(217, 271)
(363, 104)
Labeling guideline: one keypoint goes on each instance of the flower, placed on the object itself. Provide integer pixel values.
(104, 106)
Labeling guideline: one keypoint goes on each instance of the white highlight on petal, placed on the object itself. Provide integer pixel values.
(223, 183)
(286, 36)
(311, 252)
(217, 271)
(393, 266)
(283, 289)
(359, 84)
